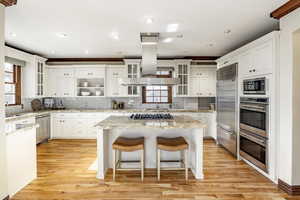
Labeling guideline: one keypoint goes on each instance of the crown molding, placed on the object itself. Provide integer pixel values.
(285, 9)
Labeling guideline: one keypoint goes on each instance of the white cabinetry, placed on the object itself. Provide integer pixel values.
(61, 82)
(202, 82)
(182, 71)
(75, 125)
(34, 75)
(114, 88)
(90, 72)
(133, 71)
(257, 61)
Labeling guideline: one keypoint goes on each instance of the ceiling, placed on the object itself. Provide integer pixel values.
(98, 28)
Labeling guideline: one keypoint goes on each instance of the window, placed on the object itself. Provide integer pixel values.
(12, 80)
(160, 94)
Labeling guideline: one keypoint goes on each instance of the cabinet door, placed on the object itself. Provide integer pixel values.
(246, 64)
(263, 59)
(58, 128)
(194, 86)
(66, 87)
(114, 87)
(90, 72)
(52, 83)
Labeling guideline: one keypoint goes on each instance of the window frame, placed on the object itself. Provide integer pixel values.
(17, 82)
(170, 92)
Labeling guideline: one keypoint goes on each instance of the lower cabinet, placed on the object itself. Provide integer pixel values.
(75, 126)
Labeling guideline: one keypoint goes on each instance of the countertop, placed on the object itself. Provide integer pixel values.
(25, 115)
(21, 128)
(179, 122)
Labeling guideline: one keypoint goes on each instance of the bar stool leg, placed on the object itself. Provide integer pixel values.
(158, 164)
(142, 165)
(114, 163)
(186, 164)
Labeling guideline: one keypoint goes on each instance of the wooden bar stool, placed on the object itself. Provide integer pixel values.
(173, 144)
(123, 144)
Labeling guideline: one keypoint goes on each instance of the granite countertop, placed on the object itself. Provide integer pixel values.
(25, 115)
(23, 127)
(179, 122)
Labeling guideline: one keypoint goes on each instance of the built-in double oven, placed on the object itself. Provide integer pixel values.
(254, 131)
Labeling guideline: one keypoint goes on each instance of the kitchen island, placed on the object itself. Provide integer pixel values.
(112, 127)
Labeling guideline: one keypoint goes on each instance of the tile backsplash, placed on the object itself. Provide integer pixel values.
(105, 103)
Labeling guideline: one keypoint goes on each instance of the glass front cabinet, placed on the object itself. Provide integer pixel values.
(182, 72)
(133, 71)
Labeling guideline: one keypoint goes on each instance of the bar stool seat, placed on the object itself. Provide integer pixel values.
(129, 144)
(173, 144)
(123, 144)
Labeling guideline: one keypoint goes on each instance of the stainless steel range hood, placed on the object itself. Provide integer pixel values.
(149, 64)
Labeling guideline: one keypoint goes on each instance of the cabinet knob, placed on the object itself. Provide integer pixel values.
(253, 70)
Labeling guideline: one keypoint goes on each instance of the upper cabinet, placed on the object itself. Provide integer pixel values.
(61, 82)
(90, 72)
(182, 71)
(34, 78)
(257, 61)
(202, 82)
(114, 74)
(133, 71)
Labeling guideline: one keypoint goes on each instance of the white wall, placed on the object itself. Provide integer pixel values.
(3, 178)
(289, 116)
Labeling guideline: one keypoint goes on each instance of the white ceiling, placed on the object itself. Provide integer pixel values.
(33, 25)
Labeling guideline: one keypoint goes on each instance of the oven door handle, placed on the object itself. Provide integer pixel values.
(253, 108)
(254, 139)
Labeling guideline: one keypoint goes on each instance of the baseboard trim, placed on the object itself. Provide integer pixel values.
(290, 189)
(6, 198)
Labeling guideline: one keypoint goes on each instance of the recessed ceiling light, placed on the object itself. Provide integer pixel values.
(115, 35)
(167, 40)
(172, 27)
(149, 20)
(86, 52)
(13, 34)
(53, 52)
(228, 31)
(62, 35)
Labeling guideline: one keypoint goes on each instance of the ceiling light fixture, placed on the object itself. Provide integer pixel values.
(149, 20)
(13, 34)
(167, 40)
(86, 52)
(227, 31)
(115, 35)
(53, 52)
(62, 35)
(172, 28)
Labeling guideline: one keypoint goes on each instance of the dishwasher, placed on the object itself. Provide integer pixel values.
(43, 132)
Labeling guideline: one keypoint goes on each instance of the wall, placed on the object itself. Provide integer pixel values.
(289, 86)
(3, 178)
(296, 109)
(105, 103)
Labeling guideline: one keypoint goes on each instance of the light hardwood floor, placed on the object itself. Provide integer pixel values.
(63, 174)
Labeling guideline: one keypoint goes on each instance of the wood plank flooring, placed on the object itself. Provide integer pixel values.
(63, 174)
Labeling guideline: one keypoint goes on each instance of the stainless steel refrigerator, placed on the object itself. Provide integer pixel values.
(227, 107)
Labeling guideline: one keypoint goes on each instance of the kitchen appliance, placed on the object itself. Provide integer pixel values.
(48, 103)
(158, 116)
(254, 148)
(227, 107)
(254, 115)
(149, 66)
(43, 131)
(254, 131)
(254, 86)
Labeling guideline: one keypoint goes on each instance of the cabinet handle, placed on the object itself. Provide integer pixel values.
(250, 71)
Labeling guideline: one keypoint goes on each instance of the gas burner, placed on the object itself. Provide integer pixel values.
(158, 116)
